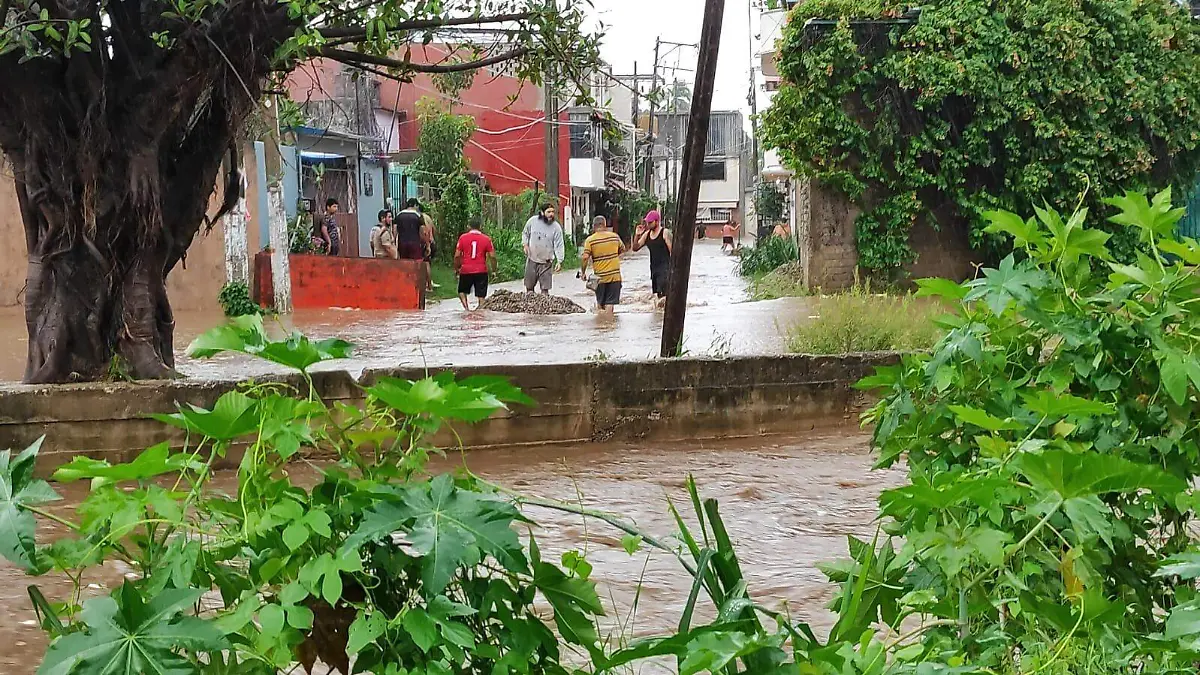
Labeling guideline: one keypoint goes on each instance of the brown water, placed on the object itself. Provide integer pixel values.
(720, 321)
(788, 502)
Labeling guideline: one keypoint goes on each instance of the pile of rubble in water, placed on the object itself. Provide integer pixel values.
(529, 303)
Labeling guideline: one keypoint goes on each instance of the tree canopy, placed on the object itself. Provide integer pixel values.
(981, 105)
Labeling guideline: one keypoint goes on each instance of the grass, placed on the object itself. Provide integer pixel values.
(783, 282)
(860, 321)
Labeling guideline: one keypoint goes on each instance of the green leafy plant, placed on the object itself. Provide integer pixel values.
(766, 256)
(235, 300)
(979, 106)
(300, 233)
(1049, 439)
(769, 203)
(440, 145)
(372, 563)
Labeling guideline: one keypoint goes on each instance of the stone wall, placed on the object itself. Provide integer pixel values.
(829, 253)
(662, 399)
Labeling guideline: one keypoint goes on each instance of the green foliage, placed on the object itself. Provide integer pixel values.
(443, 135)
(300, 233)
(785, 281)
(983, 106)
(766, 256)
(235, 300)
(1050, 441)
(769, 203)
(457, 208)
(372, 562)
(860, 321)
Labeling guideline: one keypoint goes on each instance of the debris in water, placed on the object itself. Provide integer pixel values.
(529, 303)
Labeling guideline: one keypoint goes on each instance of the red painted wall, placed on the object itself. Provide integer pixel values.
(508, 148)
(321, 282)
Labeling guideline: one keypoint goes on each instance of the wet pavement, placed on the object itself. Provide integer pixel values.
(721, 320)
(787, 501)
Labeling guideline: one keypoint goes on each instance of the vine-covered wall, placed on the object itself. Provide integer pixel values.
(985, 104)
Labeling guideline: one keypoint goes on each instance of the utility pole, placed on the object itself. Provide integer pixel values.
(650, 168)
(550, 95)
(636, 95)
(689, 194)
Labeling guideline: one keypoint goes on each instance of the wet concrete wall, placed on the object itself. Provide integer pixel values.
(663, 400)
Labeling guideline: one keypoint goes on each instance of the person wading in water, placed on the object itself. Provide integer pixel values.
(652, 235)
(544, 249)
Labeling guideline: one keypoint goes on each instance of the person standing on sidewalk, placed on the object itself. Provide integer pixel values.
(603, 250)
(545, 249)
(474, 256)
(652, 235)
(383, 237)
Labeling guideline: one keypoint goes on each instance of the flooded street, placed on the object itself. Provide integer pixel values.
(721, 320)
(787, 501)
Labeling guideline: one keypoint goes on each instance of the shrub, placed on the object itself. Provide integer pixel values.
(235, 300)
(767, 255)
(300, 234)
(1050, 439)
(859, 321)
(987, 105)
(785, 281)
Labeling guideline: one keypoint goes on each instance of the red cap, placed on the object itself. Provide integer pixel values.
(652, 217)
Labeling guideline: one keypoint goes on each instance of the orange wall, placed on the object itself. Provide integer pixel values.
(192, 289)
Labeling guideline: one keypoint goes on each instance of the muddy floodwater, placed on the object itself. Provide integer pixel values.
(721, 320)
(788, 501)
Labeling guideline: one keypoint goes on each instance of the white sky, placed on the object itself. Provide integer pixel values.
(632, 26)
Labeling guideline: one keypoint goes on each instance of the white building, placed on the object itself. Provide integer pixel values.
(726, 171)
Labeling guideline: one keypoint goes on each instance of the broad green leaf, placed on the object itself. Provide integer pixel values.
(294, 535)
(125, 634)
(153, 461)
(1173, 372)
(713, 651)
(1025, 233)
(367, 628)
(300, 617)
(940, 288)
(420, 627)
(242, 334)
(1184, 621)
(19, 490)
(1089, 516)
(1008, 283)
(271, 619)
(1054, 406)
(1155, 217)
(1072, 475)
(448, 527)
(982, 419)
(1081, 242)
(1185, 565)
(631, 543)
(574, 601)
(234, 415)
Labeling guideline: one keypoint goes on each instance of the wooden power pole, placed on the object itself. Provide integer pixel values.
(689, 184)
(550, 96)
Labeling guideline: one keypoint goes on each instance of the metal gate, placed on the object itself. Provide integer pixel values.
(1189, 226)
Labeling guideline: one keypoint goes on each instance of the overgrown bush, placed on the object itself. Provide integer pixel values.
(861, 321)
(235, 300)
(767, 255)
(985, 105)
(1051, 443)
(300, 234)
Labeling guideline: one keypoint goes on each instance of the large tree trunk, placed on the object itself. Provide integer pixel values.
(116, 153)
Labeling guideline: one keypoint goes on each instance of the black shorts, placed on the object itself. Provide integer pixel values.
(660, 279)
(608, 294)
(431, 251)
(411, 250)
(727, 240)
(477, 282)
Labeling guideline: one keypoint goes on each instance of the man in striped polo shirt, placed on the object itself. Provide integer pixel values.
(603, 250)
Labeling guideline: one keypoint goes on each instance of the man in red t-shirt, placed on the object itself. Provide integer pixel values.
(473, 257)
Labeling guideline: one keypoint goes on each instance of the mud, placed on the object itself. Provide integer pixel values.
(788, 502)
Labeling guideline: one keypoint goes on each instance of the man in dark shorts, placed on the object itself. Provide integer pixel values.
(474, 256)
(652, 235)
(603, 250)
(409, 225)
(728, 232)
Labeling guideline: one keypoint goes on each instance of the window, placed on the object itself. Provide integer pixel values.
(712, 171)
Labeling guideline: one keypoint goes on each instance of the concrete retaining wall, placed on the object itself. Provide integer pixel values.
(665, 399)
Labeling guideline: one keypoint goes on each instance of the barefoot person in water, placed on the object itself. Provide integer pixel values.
(473, 258)
(652, 235)
(603, 250)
